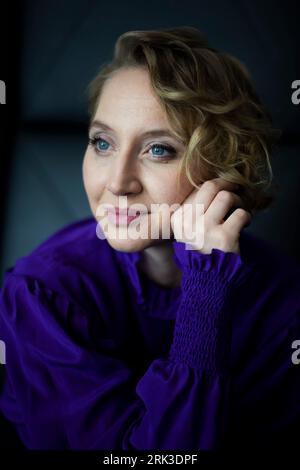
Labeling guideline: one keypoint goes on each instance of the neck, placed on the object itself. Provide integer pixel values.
(158, 264)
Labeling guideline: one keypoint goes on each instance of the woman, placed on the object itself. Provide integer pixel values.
(119, 337)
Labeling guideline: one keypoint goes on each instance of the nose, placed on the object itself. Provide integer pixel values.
(123, 178)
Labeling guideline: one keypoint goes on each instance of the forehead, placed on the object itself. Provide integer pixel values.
(129, 93)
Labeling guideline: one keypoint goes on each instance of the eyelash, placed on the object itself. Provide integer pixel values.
(172, 152)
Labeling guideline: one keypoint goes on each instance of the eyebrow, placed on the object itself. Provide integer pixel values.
(151, 133)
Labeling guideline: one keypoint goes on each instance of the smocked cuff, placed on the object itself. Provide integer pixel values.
(202, 331)
(228, 266)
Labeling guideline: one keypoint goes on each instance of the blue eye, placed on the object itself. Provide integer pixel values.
(102, 144)
(159, 148)
(99, 144)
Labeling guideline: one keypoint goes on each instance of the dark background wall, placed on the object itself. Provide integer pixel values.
(51, 49)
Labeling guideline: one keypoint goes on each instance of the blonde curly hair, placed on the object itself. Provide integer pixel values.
(211, 104)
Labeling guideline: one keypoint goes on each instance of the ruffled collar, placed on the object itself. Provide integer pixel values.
(157, 300)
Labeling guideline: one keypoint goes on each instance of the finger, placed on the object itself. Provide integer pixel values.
(207, 192)
(239, 219)
(220, 206)
(211, 188)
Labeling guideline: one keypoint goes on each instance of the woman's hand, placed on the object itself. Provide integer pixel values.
(202, 226)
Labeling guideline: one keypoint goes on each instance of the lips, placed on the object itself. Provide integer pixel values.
(123, 216)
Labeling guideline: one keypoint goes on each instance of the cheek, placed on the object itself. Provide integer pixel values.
(166, 188)
(92, 179)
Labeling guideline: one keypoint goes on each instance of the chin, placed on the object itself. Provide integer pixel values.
(130, 246)
(128, 239)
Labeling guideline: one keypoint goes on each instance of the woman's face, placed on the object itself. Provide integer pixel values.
(125, 165)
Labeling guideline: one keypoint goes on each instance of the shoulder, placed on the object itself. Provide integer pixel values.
(74, 241)
(70, 262)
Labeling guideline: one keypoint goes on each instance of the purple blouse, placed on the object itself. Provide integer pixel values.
(99, 356)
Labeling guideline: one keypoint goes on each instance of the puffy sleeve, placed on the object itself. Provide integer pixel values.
(62, 393)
